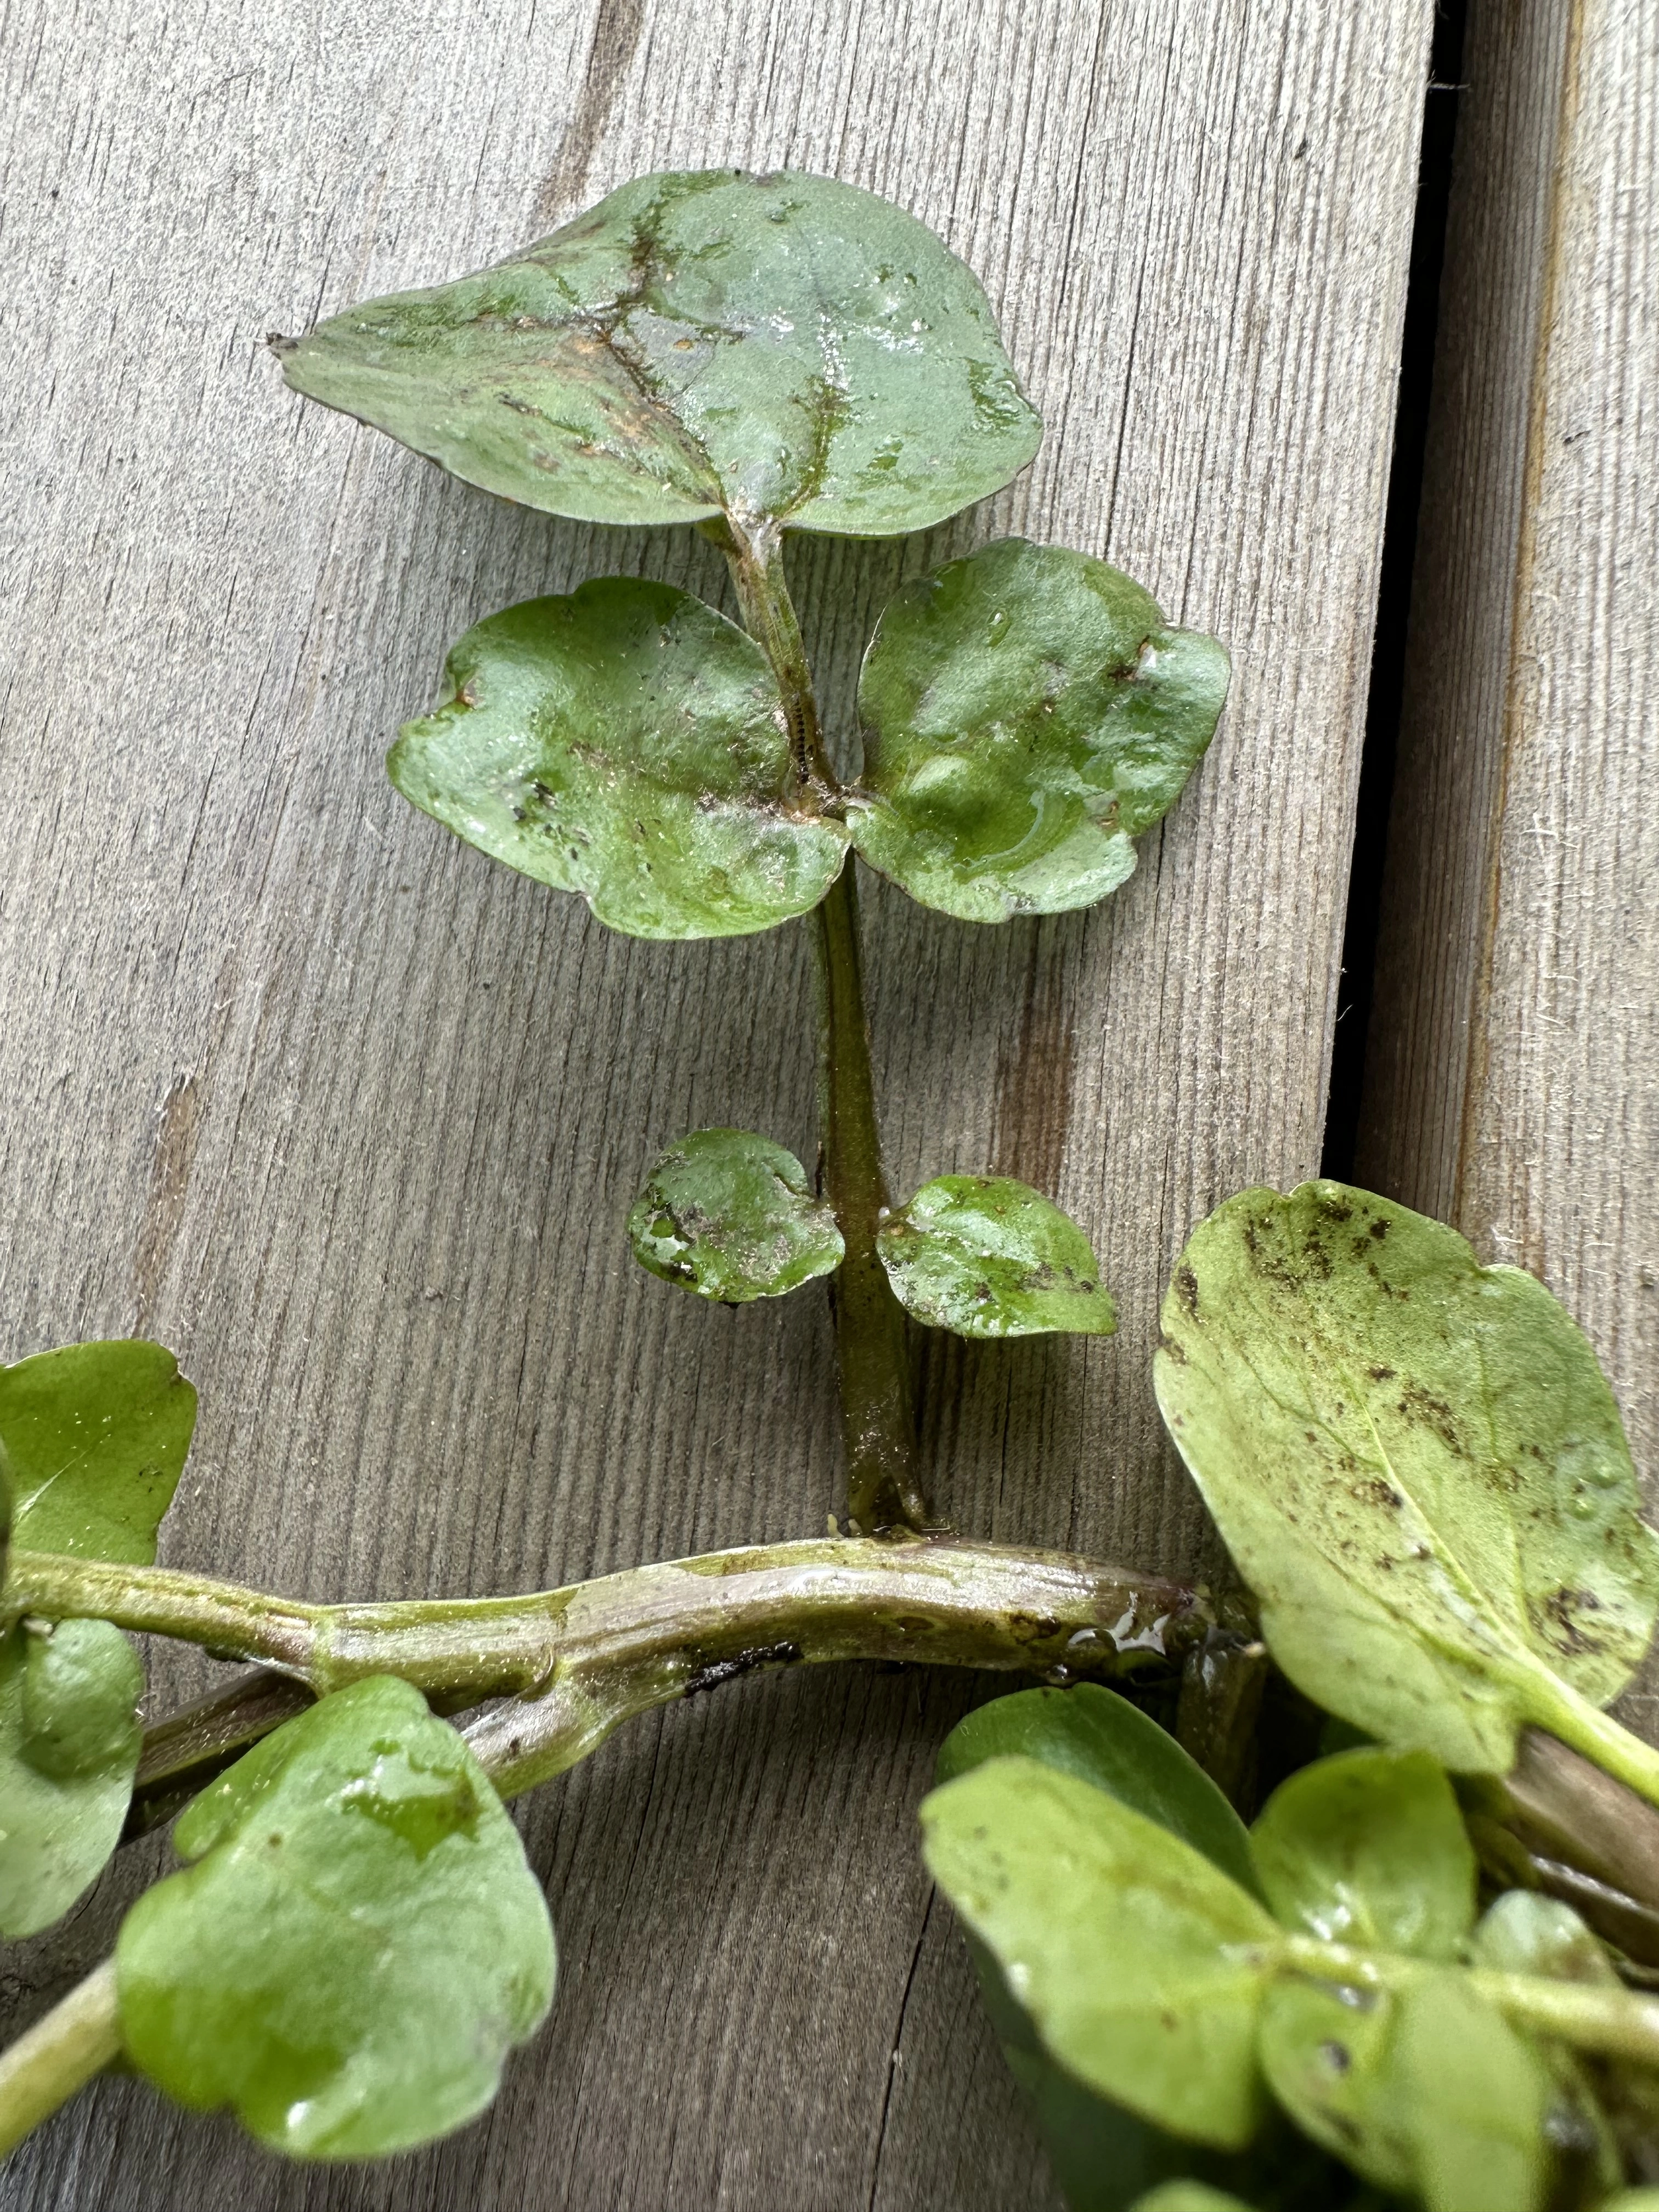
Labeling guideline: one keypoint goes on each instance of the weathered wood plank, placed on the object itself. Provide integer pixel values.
(350, 1117)
(1513, 1063)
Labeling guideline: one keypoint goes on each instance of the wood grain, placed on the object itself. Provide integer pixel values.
(350, 1117)
(1513, 1065)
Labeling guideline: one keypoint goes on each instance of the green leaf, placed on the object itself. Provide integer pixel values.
(732, 1216)
(359, 1944)
(1102, 1739)
(81, 1686)
(1189, 2197)
(1326, 2048)
(1028, 713)
(1430, 2091)
(1103, 2157)
(984, 1255)
(627, 743)
(1368, 1849)
(774, 346)
(69, 1749)
(96, 1435)
(1474, 2095)
(1522, 1933)
(1141, 1966)
(1417, 1464)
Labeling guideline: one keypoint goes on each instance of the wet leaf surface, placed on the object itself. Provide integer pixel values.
(1418, 1466)
(772, 346)
(984, 1255)
(358, 1945)
(69, 1749)
(1028, 713)
(1368, 1849)
(627, 743)
(732, 1216)
(96, 1436)
(1105, 2157)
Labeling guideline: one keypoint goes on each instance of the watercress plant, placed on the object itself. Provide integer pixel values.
(1380, 1986)
(755, 355)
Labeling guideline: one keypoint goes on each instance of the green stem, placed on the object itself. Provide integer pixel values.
(1614, 2022)
(884, 1489)
(182, 1754)
(755, 556)
(574, 1662)
(58, 2055)
(1586, 1728)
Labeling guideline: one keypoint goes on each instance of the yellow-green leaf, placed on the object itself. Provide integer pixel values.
(358, 1944)
(1141, 1966)
(1368, 1849)
(1419, 1469)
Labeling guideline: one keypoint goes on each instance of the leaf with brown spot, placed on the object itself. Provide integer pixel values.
(1421, 1470)
(701, 341)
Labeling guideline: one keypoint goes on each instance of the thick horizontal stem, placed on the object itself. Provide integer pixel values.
(183, 1754)
(575, 1662)
(643, 1638)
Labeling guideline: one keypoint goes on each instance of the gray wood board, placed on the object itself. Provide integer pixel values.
(348, 1116)
(1513, 1066)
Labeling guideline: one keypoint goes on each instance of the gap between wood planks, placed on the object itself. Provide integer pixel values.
(1384, 704)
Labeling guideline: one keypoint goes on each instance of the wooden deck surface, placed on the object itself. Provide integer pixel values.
(1514, 1056)
(349, 1117)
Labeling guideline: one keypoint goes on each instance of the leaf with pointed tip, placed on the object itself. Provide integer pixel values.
(627, 743)
(358, 1945)
(1419, 1469)
(984, 1255)
(778, 346)
(96, 1435)
(1028, 713)
(732, 1216)
(69, 1749)
(1141, 1964)
(1368, 1849)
